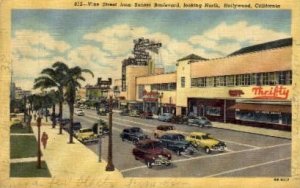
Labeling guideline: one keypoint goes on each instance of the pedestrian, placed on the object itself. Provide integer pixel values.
(44, 139)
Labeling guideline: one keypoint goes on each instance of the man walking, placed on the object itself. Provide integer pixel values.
(44, 139)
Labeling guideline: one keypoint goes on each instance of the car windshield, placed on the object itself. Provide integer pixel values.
(178, 137)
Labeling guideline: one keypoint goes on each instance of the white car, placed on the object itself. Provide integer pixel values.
(79, 112)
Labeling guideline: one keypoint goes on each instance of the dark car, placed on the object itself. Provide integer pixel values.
(65, 121)
(76, 126)
(152, 153)
(177, 143)
(133, 134)
(146, 115)
(124, 112)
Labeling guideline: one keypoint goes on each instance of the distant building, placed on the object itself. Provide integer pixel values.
(20, 94)
(99, 90)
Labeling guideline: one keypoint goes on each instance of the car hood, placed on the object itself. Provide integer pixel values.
(157, 151)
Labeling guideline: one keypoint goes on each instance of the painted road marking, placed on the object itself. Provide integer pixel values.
(210, 156)
(247, 167)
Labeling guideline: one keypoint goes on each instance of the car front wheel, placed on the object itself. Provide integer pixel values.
(149, 164)
(207, 150)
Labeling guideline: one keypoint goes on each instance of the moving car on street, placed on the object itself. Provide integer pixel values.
(177, 143)
(152, 153)
(133, 134)
(163, 129)
(199, 121)
(102, 112)
(167, 117)
(205, 141)
(79, 112)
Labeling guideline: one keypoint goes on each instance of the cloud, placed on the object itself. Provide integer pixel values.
(31, 43)
(237, 33)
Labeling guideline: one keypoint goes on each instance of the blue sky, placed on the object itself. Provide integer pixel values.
(101, 39)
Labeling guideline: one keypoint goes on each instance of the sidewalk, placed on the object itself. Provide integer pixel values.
(254, 130)
(71, 160)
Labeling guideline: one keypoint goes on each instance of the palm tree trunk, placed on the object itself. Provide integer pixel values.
(71, 107)
(53, 116)
(60, 116)
(46, 111)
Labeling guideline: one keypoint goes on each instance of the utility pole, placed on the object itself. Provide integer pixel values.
(110, 165)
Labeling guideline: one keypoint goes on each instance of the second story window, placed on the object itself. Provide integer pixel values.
(182, 81)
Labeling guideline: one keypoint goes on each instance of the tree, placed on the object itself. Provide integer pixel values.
(54, 78)
(72, 84)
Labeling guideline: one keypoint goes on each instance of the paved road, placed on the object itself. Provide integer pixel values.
(248, 155)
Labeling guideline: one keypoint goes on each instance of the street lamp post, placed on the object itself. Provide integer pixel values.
(39, 142)
(110, 165)
(160, 103)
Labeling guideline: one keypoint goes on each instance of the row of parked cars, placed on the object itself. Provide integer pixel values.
(192, 120)
(158, 151)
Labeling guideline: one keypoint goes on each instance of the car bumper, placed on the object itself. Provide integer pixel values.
(220, 148)
(161, 161)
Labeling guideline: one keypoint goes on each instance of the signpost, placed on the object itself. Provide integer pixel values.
(100, 132)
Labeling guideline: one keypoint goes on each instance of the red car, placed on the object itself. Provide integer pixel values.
(152, 153)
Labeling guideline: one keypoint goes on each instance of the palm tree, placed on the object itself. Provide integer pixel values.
(54, 78)
(54, 95)
(72, 82)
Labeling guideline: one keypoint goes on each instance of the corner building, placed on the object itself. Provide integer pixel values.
(251, 86)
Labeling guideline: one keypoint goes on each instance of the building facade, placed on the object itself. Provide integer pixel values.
(251, 86)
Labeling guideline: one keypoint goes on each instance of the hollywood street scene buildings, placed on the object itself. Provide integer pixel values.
(162, 98)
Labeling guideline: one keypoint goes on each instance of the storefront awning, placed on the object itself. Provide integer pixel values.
(262, 107)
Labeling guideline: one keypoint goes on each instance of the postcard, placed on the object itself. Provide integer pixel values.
(139, 93)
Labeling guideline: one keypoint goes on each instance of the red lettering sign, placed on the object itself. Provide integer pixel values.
(235, 93)
(151, 96)
(276, 92)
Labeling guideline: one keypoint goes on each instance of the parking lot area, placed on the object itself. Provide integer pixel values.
(247, 155)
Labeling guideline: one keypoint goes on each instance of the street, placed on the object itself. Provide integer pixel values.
(248, 155)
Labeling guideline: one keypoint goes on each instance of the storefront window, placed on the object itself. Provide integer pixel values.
(213, 111)
(194, 82)
(264, 117)
(172, 86)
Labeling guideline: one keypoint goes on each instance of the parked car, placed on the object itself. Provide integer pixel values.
(85, 134)
(101, 112)
(133, 134)
(181, 119)
(200, 121)
(152, 153)
(65, 121)
(79, 112)
(177, 143)
(167, 117)
(205, 141)
(164, 129)
(76, 126)
(134, 113)
(124, 112)
(146, 115)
